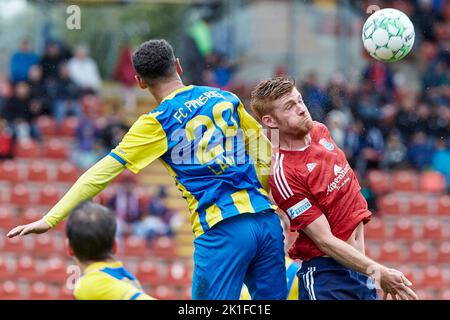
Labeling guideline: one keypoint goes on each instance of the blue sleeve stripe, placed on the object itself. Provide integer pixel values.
(135, 296)
(115, 156)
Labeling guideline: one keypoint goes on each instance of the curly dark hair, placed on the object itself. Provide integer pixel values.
(154, 60)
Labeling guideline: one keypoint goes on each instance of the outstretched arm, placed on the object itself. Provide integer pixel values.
(87, 186)
(392, 281)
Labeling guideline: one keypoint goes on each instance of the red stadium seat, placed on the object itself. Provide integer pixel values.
(433, 277)
(14, 245)
(425, 294)
(389, 252)
(20, 195)
(37, 171)
(432, 182)
(27, 149)
(444, 206)
(186, 293)
(375, 229)
(418, 205)
(378, 181)
(9, 290)
(55, 271)
(162, 292)
(5, 272)
(47, 126)
(69, 126)
(40, 291)
(148, 273)
(406, 181)
(26, 268)
(64, 293)
(55, 149)
(44, 245)
(432, 230)
(444, 253)
(30, 215)
(419, 253)
(67, 172)
(444, 294)
(163, 247)
(135, 246)
(7, 218)
(9, 171)
(389, 204)
(179, 274)
(404, 230)
(49, 196)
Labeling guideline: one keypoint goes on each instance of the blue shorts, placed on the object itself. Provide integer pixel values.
(247, 248)
(324, 278)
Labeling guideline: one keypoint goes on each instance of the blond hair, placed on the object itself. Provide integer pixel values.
(268, 91)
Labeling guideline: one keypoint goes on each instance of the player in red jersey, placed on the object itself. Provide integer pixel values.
(312, 182)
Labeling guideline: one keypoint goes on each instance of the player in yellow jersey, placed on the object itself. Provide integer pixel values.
(90, 232)
(220, 160)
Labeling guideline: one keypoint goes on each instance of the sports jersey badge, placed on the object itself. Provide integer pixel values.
(327, 144)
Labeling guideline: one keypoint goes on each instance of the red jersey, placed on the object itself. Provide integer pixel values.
(314, 181)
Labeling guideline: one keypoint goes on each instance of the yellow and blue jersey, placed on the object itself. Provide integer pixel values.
(214, 149)
(108, 281)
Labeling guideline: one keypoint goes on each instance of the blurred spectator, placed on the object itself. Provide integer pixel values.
(50, 62)
(380, 75)
(395, 152)
(114, 129)
(87, 150)
(367, 104)
(440, 160)
(314, 97)
(38, 90)
(83, 70)
(67, 94)
(419, 151)
(6, 140)
(21, 61)
(124, 72)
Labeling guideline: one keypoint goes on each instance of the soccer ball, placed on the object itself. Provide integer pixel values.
(388, 35)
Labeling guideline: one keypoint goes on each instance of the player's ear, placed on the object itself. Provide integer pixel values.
(68, 248)
(141, 82)
(114, 247)
(179, 68)
(269, 121)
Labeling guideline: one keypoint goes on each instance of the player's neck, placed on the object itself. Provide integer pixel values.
(295, 143)
(164, 89)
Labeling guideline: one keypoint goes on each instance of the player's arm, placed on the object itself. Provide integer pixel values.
(257, 144)
(144, 142)
(391, 281)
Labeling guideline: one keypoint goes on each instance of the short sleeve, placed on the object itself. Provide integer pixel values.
(145, 142)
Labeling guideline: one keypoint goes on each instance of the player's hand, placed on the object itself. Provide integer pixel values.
(394, 283)
(39, 226)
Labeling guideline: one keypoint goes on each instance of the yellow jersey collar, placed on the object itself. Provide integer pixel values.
(177, 91)
(102, 264)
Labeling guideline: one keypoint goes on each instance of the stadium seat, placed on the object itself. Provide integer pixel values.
(40, 291)
(163, 292)
(444, 295)
(48, 196)
(37, 171)
(44, 245)
(389, 204)
(389, 252)
(444, 206)
(9, 171)
(432, 182)
(5, 272)
(135, 246)
(425, 294)
(404, 229)
(433, 277)
(7, 219)
(27, 149)
(148, 273)
(375, 229)
(63, 293)
(47, 126)
(20, 195)
(14, 245)
(26, 268)
(419, 253)
(432, 230)
(378, 181)
(179, 274)
(163, 247)
(186, 293)
(67, 172)
(418, 205)
(405, 181)
(55, 149)
(444, 253)
(69, 126)
(30, 215)
(9, 290)
(55, 271)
